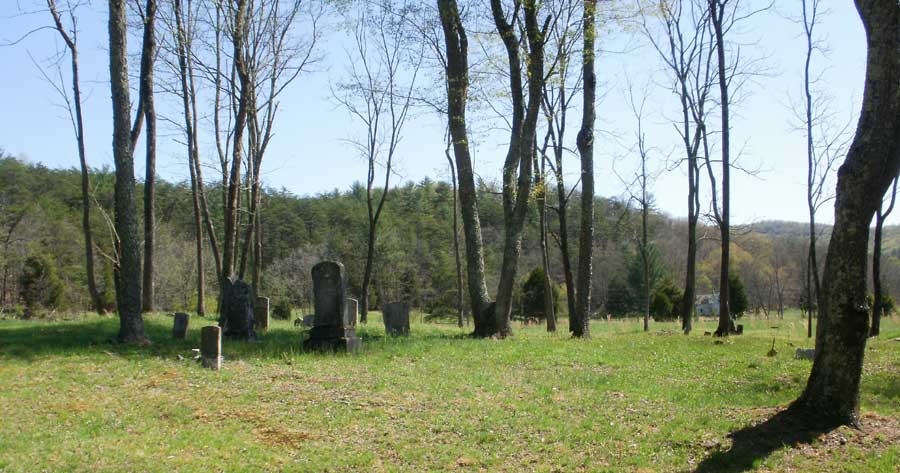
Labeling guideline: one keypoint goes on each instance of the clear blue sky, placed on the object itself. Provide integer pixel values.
(307, 155)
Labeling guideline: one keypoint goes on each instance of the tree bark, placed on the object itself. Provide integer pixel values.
(832, 391)
(585, 143)
(726, 324)
(540, 184)
(456, 44)
(517, 168)
(70, 41)
(877, 291)
(148, 55)
(460, 301)
(128, 265)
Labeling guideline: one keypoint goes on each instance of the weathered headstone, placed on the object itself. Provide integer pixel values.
(211, 347)
(308, 320)
(805, 354)
(352, 308)
(396, 318)
(236, 316)
(180, 326)
(331, 328)
(261, 314)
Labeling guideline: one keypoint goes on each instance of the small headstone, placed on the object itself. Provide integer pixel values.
(740, 329)
(236, 316)
(180, 326)
(308, 320)
(805, 353)
(352, 309)
(331, 328)
(211, 347)
(261, 314)
(396, 318)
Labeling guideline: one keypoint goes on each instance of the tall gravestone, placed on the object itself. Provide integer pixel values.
(332, 329)
(396, 318)
(261, 314)
(236, 316)
(352, 309)
(180, 325)
(211, 347)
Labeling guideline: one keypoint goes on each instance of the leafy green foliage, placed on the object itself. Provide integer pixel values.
(534, 291)
(40, 285)
(282, 309)
(737, 296)
(664, 305)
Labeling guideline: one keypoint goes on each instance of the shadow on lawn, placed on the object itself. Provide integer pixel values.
(30, 340)
(787, 428)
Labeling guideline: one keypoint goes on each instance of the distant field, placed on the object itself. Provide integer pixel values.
(623, 401)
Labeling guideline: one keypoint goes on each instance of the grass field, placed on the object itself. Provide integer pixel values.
(625, 400)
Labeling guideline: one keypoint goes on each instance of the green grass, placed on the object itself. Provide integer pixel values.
(70, 400)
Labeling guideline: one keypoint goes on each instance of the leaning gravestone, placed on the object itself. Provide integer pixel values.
(180, 327)
(211, 347)
(236, 316)
(331, 328)
(396, 318)
(261, 314)
(352, 308)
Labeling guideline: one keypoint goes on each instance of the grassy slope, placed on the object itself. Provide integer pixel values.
(625, 400)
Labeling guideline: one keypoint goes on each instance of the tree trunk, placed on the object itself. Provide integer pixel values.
(565, 254)
(456, 43)
(148, 55)
(585, 142)
(85, 170)
(877, 291)
(832, 391)
(726, 324)
(549, 306)
(460, 303)
(128, 266)
(517, 168)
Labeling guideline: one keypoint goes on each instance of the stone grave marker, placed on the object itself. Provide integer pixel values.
(396, 318)
(180, 326)
(331, 328)
(211, 347)
(236, 316)
(261, 314)
(352, 308)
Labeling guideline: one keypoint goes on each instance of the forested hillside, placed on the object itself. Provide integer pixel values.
(40, 212)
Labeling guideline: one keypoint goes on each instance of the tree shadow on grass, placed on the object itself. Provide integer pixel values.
(96, 336)
(751, 444)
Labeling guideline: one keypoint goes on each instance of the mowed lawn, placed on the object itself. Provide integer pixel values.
(625, 400)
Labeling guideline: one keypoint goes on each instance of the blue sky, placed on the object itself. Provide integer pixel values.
(308, 154)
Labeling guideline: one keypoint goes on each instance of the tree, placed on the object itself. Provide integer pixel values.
(737, 296)
(128, 252)
(70, 37)
(40, 284)
(457, 74)
(377, 96)
(878, 299)
(535, 294)
(148, 108)
(686, 49)
(831, 396)
(585, 140)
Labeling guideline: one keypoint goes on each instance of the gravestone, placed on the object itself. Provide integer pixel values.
(211, 347)
(308, 320)
(396, 318)
(180, 326)
(352, 308)
(805, 354)
(332, 329)
(236, 316)
(261, 314)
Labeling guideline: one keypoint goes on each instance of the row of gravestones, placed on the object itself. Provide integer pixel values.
(333, 324)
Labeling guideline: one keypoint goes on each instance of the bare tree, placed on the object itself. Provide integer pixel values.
(585, 143)
(517, 167)
(878, 292)
(147, 108)
(128, 261)
(457, 75)
(685, 46)
(73, 106)
(376, 95)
